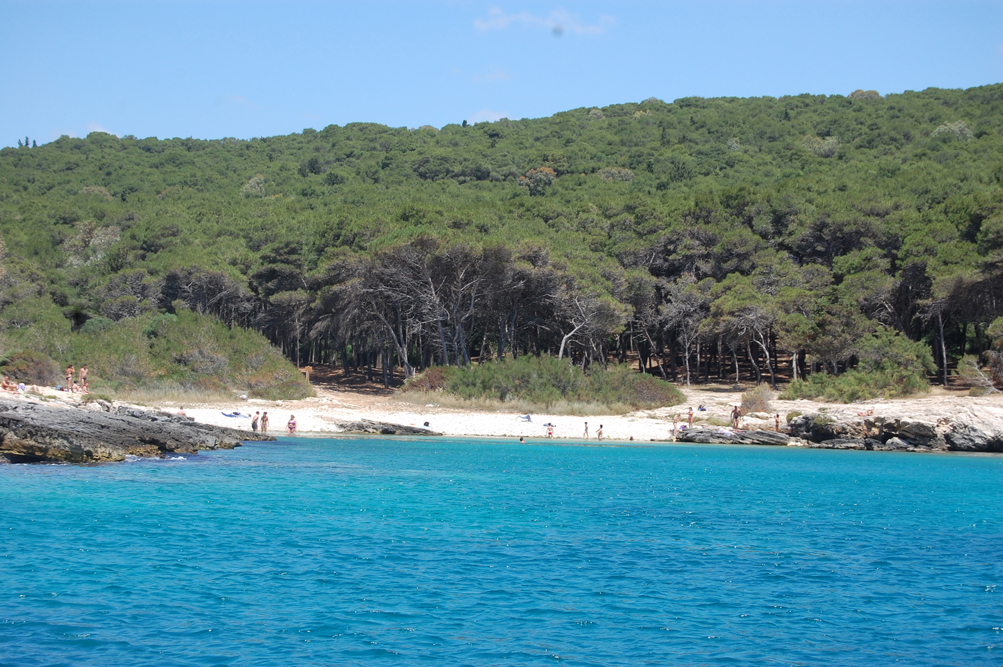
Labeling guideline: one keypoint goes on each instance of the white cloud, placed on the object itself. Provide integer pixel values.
(95, 127)
(487, 115)
(558, 22)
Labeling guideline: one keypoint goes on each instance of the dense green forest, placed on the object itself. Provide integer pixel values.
(732, 238)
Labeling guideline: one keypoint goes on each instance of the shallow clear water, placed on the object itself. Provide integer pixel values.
(359, 551)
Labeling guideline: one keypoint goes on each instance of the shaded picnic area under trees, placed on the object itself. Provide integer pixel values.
(703, 240)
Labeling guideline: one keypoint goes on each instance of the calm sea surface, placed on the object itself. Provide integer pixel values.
(453, 552)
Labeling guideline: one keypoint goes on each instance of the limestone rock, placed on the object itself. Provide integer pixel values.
(383, 428)
(35, 432)
(703, 436)
(892, 445)
(716, 436)
(762, 438)
(977, 429)
(840, 443)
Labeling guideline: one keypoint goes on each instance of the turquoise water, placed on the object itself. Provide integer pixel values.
(450, 552)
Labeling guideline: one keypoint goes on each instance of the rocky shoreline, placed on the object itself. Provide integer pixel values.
(37, 432)
(970, 430)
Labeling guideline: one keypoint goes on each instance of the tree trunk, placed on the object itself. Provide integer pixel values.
(943, 346)
(384, 360)
(752, 360)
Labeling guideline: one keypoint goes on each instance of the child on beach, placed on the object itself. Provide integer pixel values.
(586, 430)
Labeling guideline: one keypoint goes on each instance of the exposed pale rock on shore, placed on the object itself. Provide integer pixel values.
(974, 429)
(716, 436)
(32, 432)
(382, 428)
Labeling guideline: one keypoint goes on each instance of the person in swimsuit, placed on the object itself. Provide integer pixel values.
(83, 375)
(181, 411)
(69, 377)
(675, 426)
(736, 414)
(777, 421)
(689, 418)
(291, 424)
(586, 430)
(599, 433)
(264, 423)
(254, 422)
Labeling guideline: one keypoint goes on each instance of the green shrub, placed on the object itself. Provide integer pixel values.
(546, 381)
(32, 368)
(96, 325)
(890, 365)
(187, 352)
(794, 414)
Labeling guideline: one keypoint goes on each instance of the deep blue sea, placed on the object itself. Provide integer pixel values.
(479, 552)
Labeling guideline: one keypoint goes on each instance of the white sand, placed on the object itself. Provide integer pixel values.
(321, 414)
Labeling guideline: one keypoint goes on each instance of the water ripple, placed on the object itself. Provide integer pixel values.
(318, 552)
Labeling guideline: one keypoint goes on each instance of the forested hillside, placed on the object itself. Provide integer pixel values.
(763, 236)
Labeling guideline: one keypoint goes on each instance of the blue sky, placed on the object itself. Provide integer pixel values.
(215, 69)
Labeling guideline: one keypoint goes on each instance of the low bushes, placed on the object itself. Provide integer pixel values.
(546, 383)
(151, 353)
(757, 399)
(31, 368)
(890, 365)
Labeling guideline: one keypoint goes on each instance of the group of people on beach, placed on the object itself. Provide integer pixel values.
(80, 385)
(598, 433)
(9, 385)
(260, 421)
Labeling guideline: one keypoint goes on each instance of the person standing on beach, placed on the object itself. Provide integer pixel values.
(675, 426)
(291, 425)
(254, 422)
(69, 377)
(689, 418)
(83, 375)
(264, 423)
(776, 419)
(735, 415)
(599, 433)
(586, 430)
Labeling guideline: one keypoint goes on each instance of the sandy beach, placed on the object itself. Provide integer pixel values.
(321, 414)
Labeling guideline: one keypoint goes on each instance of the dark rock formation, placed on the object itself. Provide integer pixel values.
(35, 432)
(976, 432)
(715, 436)
(383, 428)
(975, 429)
